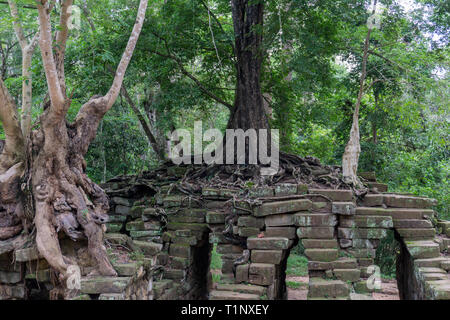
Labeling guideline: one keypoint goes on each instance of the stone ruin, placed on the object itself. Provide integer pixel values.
(160, 238)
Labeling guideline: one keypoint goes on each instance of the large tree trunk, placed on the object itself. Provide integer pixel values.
(65, 199)
(350, 158)
(248, 110)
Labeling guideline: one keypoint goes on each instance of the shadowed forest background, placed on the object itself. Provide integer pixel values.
(183, 71)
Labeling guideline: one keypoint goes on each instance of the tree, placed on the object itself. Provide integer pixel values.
(64, 197)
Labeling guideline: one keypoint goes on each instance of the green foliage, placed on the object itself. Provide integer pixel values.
(386, 255)
(295, 285)
(297, 265)
(216, 260)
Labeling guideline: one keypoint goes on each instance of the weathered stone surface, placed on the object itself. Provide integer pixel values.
(315, 232)
(111, 296)
(369, 176)
(365, 262)
(321, 288)
(249, 221)
(27, 254)
(203, 227)
(180, 250)
(320, 206)
(242, 273)
(398, 201)
(335, 195)
(242, 288)
(267, 243)
(174, 274)
(362, 253)
(261, 192)
(123, 201)
(113, 227)
(211, 193)
(344, 263)
(302, 188)
(148, 248)
(117, 238)
(373, 200)
(266, 256)
(423, 249)
(215, 217)
(315, 220)
(440, 289)
(325, 255)
(318, 265)
(10, 277)
(125, 269)
(361, 233)
(137, 225)
(261, 274)
(366, 222)
(123, 210)
(380, 187)
(217, 237)
(98, 285)
(229, 248)
(417, 233)
(446, 265)
(395, 213)
(283, 232)
(365, 243)
(285, 189)
(430, 262)
(231, 295)
(279, 220)
(345, 243)
(248, 232)
(320, 243)
(282, 207)
(343, 208)
(351, 275)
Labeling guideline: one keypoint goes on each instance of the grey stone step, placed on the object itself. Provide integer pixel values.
(242, 288)
(321, 288)
(230, 295)
(125, 269)
(96, 285)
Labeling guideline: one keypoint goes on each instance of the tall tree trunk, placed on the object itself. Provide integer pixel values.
(64, 197)
(248, 110)
(350, 158)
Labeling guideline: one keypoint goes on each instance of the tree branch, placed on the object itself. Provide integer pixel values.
(113, 92)
(45, 43)
(61, 41)
(144, 124)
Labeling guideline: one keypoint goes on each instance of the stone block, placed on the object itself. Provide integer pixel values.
(395, 213)
(261, 274)
(423, 249)
(97, 285)
(422, 233)
(283, 232)
(366, 222)
(267, 243)
(335, 195)
(315, 220)
(373, 200)
(266, 256)
(320, 243)
(249, 221)
(343, 208)
(261, 192)
(242, 273)
(318, 265)
(285, 189)
(279, 207)
(148, 248)
(399, 201)
(248, 232)
(344, 263)
(325, 255)
(351, 275)
(180, 250)
(229, 248)
(215, 217)
(279, 220)
(315, 232)
(361, 233)
(321, 288)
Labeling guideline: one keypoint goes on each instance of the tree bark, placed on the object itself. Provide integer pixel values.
(248, 109)
(64, 197)
(350, 158)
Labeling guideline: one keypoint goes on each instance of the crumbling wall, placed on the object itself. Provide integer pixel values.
(160, 237)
